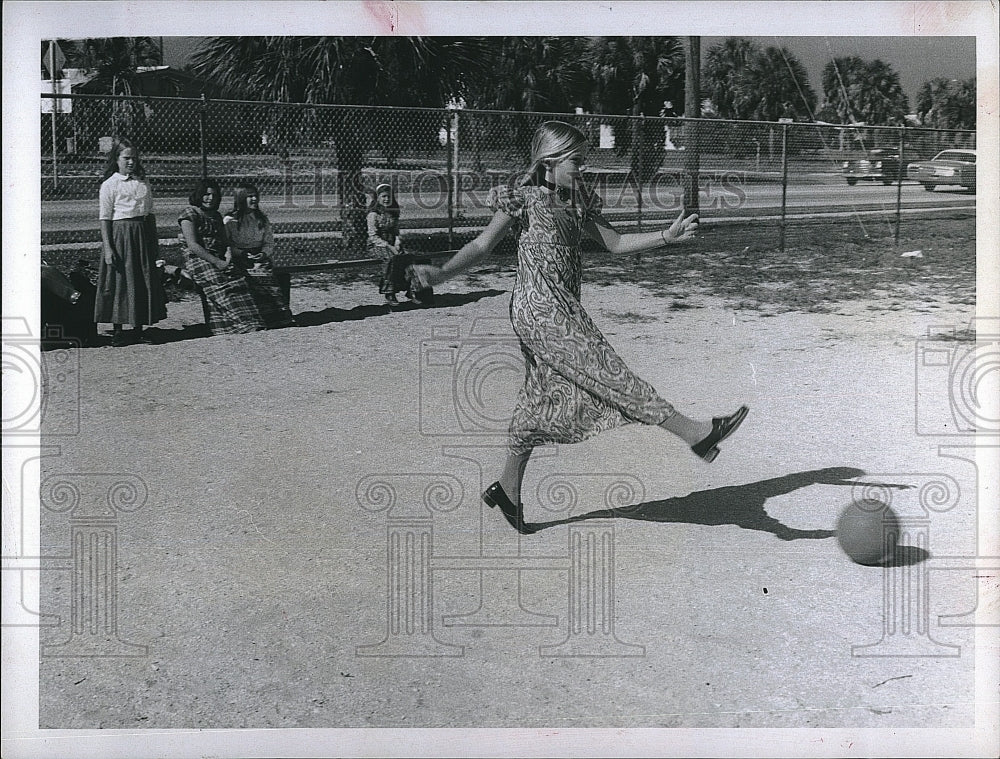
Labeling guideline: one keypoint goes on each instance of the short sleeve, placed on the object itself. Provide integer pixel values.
(106, 204)
(189, 214)
(507, 199)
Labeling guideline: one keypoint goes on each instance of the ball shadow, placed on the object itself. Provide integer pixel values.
(908, 556)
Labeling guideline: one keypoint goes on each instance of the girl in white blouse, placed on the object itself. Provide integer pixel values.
(129, 287)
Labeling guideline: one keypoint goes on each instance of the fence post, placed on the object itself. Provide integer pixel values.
(638, 126)
(899, 181)
(55, 108)
(784, 180)
(451, 121)
(201, 135)
(692, 165)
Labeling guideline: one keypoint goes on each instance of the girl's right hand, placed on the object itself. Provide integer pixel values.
(109, 257)
(225, 262)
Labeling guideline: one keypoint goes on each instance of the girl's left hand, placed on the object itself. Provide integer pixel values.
(682, 229)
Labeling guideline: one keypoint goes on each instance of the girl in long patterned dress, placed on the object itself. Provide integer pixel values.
(575, 384)
(251, 240)
(228, 299)
(129, 289)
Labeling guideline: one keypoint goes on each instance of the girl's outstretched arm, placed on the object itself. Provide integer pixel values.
(470, 253)
(681, 230)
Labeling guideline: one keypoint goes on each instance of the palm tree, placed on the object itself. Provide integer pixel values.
(725, 64)
(860, 91)
(532, 74)
(842, 78)
(637, 76)
(115, 62)
(538, 74)
(775, 85)
(365, 71)
(948, 103)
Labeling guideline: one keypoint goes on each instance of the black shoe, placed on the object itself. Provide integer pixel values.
(390, 299)
(120, 339)
(494, 496)
(722, 427)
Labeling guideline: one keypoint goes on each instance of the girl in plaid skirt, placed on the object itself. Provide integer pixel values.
(227, 294)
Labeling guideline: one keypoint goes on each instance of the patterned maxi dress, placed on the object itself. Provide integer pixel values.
(575, 385)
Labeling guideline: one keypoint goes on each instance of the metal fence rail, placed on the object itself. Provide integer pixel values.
(317, 166)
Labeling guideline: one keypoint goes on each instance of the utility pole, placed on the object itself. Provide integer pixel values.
(692, 110)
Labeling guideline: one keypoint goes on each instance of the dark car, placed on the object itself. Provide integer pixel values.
(954, 166)
(880, 165)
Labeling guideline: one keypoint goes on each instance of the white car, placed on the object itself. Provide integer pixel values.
(953, 166)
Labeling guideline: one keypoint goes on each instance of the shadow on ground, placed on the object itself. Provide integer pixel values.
(441, 300)
(743, 506)
(330, 315)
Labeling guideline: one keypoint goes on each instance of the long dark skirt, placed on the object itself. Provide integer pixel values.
(130, 290)
(230, 307)
(269, 297)
(396, 278)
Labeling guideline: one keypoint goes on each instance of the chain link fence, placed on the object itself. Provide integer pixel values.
(317, 167)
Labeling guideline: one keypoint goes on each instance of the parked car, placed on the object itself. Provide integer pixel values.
(881, 165)
(951, 166)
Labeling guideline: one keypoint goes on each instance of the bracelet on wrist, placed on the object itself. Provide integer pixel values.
(663, 237)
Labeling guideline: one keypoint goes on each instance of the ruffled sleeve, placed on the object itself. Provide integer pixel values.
(510, 200)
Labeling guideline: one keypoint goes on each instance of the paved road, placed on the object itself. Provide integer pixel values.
(717, 199)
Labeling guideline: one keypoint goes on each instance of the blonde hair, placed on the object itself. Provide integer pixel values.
(553, 141)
